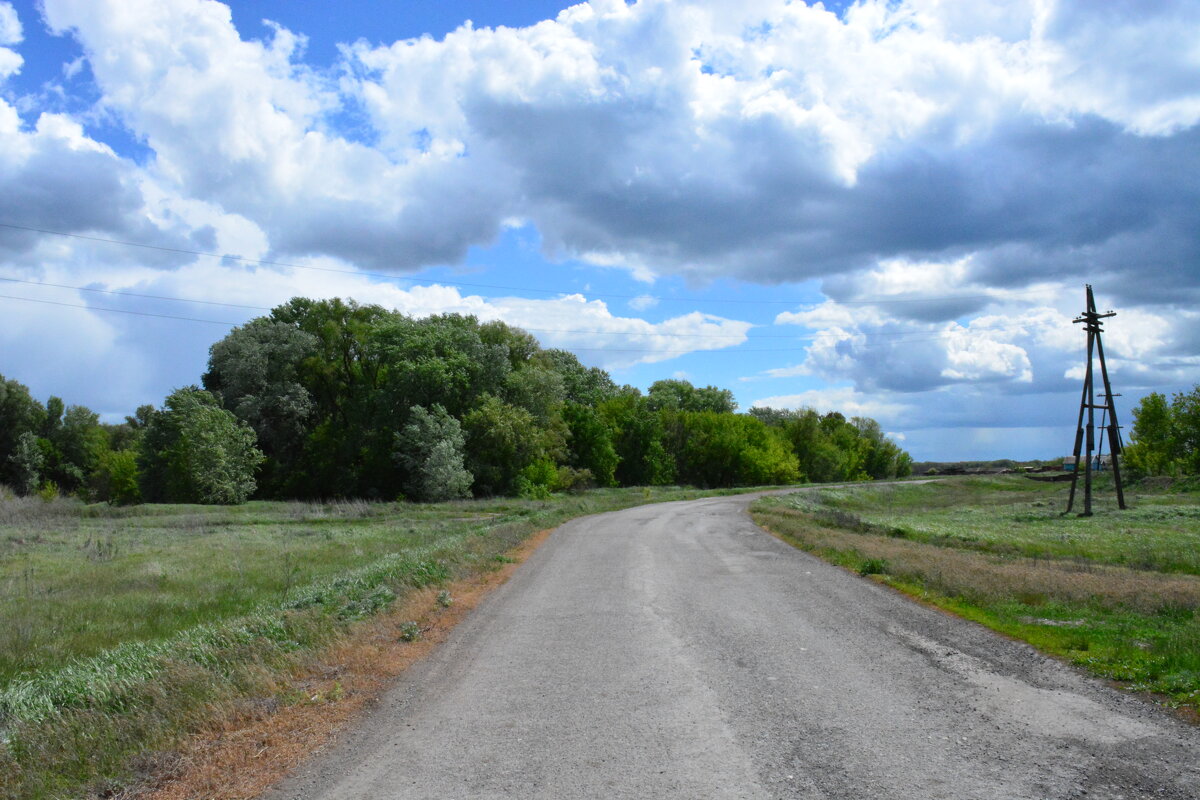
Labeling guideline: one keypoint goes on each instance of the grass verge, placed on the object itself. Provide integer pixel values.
(1116, 594)
(125, 631)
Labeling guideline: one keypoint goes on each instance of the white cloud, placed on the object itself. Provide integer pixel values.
(10, 26)
(844, 400)
(10, 34)
(643, 302)
(766, 140)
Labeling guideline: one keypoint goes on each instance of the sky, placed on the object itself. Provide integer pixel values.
(883, 208)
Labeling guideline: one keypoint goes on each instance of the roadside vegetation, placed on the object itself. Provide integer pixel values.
(1117, 594)
(123, 629)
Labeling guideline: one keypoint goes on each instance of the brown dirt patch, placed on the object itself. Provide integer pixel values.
(241, 755)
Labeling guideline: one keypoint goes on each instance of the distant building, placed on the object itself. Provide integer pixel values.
(1100, 462)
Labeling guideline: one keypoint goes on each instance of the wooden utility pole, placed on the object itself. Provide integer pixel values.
(1085, 434)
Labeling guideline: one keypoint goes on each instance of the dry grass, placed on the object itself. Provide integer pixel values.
(984, 576)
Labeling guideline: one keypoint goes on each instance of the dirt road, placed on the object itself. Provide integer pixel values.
(678, 651)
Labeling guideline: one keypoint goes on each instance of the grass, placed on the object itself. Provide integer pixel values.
(124, 629)
(1117, 593)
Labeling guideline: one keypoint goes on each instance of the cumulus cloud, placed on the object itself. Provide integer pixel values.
(844, 400)
(10, 34)
(1018, 344)
(126, 358)
(766, 140)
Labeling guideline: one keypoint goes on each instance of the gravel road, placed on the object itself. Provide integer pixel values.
(678, 651)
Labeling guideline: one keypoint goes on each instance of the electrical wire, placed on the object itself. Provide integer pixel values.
(789, 337)
(667, 351)
(438, 281)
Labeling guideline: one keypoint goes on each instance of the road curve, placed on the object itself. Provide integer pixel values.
(678, 651)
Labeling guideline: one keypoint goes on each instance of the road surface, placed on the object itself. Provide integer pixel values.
(678, 651)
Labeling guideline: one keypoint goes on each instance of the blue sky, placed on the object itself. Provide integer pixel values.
(885, 208)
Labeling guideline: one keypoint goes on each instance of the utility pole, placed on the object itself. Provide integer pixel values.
(1085, 434)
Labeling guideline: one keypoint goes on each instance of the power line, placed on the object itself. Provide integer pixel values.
(664, 351)
(132, 294)
(791, 337)
(120, 311)
(438, 281)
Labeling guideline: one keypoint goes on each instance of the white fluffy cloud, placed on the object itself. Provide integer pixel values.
(10, 34)
(844, 400)
(767, 140)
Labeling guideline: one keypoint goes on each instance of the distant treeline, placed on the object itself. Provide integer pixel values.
(325, 398)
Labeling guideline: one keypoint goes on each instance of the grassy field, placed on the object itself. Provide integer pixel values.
(122, 629)
(1116, 593)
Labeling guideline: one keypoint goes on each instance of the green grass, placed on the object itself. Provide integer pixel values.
(122, 629)
(1015, 515)
(1117, 593)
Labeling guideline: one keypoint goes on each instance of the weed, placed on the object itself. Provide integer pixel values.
(873, 566)
(444, 600)
(410, 632)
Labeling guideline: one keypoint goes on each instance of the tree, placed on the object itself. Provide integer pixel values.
(430, 447)
(194, 451)
(26, 463)
(1153, 449)
(587, 386)
(1185, 428)
(115, 480)
(440, 360)
(638, 436)
(19, 414)
(502, 440)
(590, 443)
(726, 449)
(254, 371)
(78, 441)
(679, 395)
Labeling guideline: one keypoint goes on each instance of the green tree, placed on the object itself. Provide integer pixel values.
(726, 449)
(26, 463)
(254, 370)
(194, 451)
(1185, 427)
(590, 443)
(430, 447)
(680, 395)
(502, 440)
(115, 479)
(587, 386)
(440, 360)
(19, 414)
(638, 437)
(1153, 449)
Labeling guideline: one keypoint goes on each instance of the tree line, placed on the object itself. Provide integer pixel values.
(329, 398)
